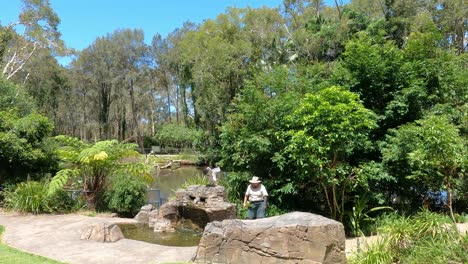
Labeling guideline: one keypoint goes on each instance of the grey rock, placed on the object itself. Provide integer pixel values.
(142, 217)
(102, 232)
(164, 225)
(152, 217)
(290, 238)
(198, 203)
(147, 208)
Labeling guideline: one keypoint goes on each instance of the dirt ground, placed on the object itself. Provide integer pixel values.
(58, 237)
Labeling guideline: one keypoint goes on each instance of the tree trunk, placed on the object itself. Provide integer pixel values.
(105, 102)
(449, 198)
(177, 103)
(135, 120)
(184, 104)
(168, 103)
(338, 8)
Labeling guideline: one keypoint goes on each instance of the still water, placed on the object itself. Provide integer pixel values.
(168, 181)
(182, 237)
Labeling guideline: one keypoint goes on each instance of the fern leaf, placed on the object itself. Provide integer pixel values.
(60, 179)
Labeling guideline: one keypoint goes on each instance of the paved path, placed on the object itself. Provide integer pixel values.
(58, 237)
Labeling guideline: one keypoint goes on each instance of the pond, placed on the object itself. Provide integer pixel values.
(168, 181)
(182, 237)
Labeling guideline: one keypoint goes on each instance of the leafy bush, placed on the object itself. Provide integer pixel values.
(24, 148)
(126, 195)
(235, 183)
(28, 196)
(61, 202)
(424, 238)
(177, 135)
(95, 166)
(273, 210)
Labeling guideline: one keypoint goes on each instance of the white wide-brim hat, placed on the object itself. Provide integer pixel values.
(255, 180)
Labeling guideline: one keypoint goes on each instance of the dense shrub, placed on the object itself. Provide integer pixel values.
(126, 195)
(28, 196)
(33, 197)
(25, 152)
(61, 202)
(176, 135)
(424, 238)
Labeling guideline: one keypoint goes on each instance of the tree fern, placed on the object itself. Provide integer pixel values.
(60, 179)
(96, 164)
(139, 170)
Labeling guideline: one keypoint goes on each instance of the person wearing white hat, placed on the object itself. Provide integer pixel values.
(257, 196)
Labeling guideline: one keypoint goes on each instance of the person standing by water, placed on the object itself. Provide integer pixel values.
(257, 197)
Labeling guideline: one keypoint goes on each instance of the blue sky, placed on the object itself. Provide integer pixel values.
(82, 21)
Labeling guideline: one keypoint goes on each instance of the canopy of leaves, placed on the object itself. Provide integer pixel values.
(176, 135)
(24, 147)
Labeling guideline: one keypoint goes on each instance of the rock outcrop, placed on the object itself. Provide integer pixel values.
(199, 203)
(145, 214)
(290, 238)
(102, 232)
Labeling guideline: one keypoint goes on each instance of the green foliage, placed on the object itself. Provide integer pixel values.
(177, 135)
(95, 165)
(60, 179)
(198, 179)
(248, 138)
(33, 197)
(250, 90)
(429, 154)
(374, 65)
(461, 218)
(24, 146)
(61, 202)
(273, 210)
(12, 97)
(28, 196)
(126, 195)
(235, 184)
(360, 214)
(424, 238)
(323, 132)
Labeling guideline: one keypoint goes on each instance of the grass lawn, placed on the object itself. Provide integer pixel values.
(9, 255)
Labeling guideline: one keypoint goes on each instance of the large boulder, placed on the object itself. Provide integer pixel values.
(290, 238)
(102, 232)
(198, 203)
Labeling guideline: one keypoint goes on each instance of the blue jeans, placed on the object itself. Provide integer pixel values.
(257, 210)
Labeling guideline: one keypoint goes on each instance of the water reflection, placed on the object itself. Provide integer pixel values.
(182, 237)
(168, 181)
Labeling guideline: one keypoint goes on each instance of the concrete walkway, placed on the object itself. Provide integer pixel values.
(58, 237)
